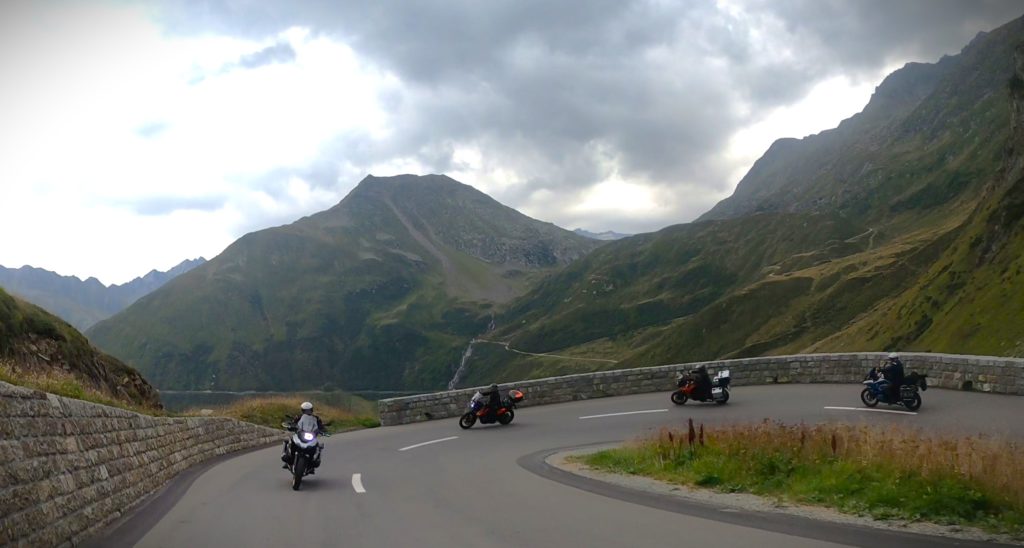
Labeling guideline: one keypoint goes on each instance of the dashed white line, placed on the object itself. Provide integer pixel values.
(872, 410)
(625, 413)
(357, 483)
(427, 443)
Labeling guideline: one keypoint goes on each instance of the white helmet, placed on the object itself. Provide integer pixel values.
(307, 408)
(894, 356)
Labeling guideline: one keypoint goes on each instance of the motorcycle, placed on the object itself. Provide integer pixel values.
(302, 452)
(688, 389)
(876, 389)
(478, 410)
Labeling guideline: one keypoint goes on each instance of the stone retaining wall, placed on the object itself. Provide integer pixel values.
(72, 467)
(988, 374)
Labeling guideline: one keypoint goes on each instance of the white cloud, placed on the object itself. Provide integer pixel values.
(79, 149)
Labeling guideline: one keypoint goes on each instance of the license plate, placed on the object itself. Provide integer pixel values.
(716, 391)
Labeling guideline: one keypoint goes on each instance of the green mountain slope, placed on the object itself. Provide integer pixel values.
(898, 230)
(37, 343)
(382, 291)
(972, 297)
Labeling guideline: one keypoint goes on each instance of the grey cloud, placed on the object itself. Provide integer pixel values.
(868, 33)
(281, 52)
(156, 206)
(563, 92)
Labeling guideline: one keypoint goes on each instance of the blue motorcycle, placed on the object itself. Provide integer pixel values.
(876, 389)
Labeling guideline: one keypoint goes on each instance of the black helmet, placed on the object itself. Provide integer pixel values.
(492, 387)
(702, 367)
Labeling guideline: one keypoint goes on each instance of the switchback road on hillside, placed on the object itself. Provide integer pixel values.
(434, 485)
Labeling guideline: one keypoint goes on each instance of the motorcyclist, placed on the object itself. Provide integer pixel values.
(304, 422)
(493, 401)
(892, 370)
(703, 381)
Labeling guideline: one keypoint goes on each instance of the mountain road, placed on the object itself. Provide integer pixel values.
(432, 484)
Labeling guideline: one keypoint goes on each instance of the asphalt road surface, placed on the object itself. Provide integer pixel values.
(434, 485)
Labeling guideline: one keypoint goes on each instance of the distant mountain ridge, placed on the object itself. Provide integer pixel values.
(882, 161)
(607, 235)
(79, 302)
(381, 291)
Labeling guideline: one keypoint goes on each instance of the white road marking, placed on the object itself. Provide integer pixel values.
(626, 413)
(427, 443)
(357, 483)
(872, 410)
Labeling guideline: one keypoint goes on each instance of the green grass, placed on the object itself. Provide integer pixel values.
(65, 384)
(893, 474)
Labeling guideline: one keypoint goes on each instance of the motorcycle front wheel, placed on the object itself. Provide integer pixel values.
(506, 417)
(868, 397)
(914, 404)
(678, 397)
(298, 469)
(467, 421)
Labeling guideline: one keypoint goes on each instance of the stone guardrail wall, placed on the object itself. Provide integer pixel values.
(983, 373)
(72, 467)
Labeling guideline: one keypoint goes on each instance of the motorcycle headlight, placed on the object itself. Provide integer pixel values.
(307, 436)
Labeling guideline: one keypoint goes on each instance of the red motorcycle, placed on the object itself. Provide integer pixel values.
(478, 410)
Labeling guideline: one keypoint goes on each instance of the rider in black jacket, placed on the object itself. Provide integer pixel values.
(703, 380)
(892, 370)
(493, 396)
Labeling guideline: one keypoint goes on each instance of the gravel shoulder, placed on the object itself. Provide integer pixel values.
(754, 503)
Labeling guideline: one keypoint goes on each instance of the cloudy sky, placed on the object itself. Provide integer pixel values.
(138, 134)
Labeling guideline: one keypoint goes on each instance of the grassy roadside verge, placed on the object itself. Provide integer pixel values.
(891, 473)
(271, 410)
(67, 385)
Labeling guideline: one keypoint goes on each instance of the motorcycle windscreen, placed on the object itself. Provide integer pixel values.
(307, 423)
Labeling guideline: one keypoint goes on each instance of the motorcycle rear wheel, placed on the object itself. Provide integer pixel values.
(678, 397)
(506, 417)
(467, 420)
(298, 469)
(868, 397)
(914, 404)
(725, 397)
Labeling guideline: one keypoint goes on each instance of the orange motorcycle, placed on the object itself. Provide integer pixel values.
(478, 410)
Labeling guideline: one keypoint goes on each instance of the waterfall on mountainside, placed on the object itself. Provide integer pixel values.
(465, 357)
(462, 365)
